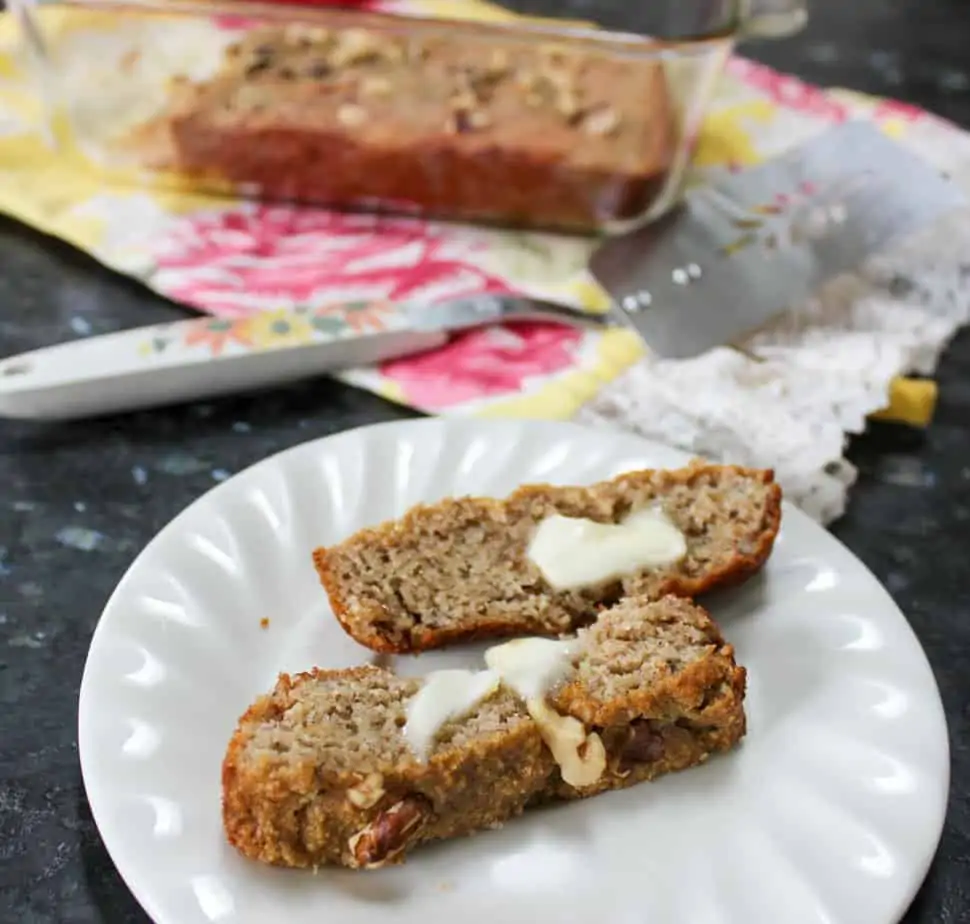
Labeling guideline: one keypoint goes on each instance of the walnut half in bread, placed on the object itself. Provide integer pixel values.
(320, 772)
(458, 570)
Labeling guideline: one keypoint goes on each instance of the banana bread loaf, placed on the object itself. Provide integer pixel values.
(564, 135)
(460, 569)
(321, 771)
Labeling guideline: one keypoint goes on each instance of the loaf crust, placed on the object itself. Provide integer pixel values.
(481, 128)
(457, 570)
(318, 771)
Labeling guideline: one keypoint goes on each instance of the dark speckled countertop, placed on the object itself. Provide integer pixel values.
(78, 502)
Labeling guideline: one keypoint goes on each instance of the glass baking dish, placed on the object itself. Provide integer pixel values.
(540, 125)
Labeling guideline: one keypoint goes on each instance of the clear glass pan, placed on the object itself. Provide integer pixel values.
(540, 125)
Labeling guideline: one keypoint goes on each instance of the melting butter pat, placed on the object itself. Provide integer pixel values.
(531, 667)
(444, 696)
(572, 553)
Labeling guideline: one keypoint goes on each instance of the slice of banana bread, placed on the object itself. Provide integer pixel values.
(320, 770)
(459, 569)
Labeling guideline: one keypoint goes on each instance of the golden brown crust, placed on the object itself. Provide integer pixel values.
(709, 690)
(303, 809)
(365, 619)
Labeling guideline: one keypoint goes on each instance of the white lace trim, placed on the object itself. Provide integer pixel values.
(818, 373)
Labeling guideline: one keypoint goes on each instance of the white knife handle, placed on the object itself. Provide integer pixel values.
(202, 358)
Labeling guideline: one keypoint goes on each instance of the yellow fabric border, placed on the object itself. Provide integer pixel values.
(562, 398)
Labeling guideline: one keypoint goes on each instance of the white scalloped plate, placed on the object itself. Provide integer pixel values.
(829, 812)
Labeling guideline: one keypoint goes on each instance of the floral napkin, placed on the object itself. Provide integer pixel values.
(813, 382)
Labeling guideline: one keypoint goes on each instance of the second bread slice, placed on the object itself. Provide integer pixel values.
(459, 570)
(321, 770)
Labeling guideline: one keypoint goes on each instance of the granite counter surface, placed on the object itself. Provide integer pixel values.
(78, 502)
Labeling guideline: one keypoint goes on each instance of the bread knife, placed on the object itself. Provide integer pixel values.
(207, 357)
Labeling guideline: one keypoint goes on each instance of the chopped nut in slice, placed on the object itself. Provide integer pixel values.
(415, 52)
(250, 98)
(552, 55)
(462, 121)
(567, 105)
(356, 46)
(388, 834)
(318, 70)
(560, 79)
(394, 52)
(481, 81)
(306, 36)
(601, 121)
(258, 64)
(351, 115)
(463, 99)
(499, 63)
(376, 86)
(368, 792)
(643, 745)
(581, 757)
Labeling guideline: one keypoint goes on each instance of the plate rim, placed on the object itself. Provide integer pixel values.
(142, 893)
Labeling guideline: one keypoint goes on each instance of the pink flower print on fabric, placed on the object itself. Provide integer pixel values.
(484, 364)
(260, 257)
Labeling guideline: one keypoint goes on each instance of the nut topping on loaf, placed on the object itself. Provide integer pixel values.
(479, 126)
(459, 569)
(319, 771)
(365, 64)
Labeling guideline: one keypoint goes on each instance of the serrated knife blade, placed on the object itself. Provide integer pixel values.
(748, 245)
